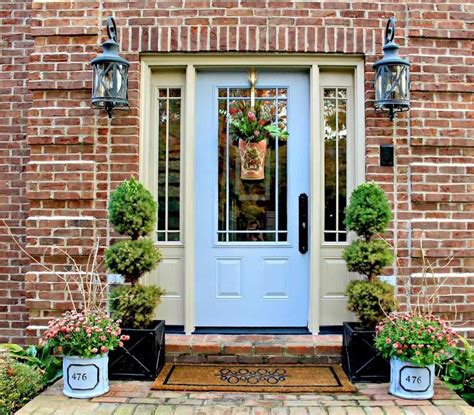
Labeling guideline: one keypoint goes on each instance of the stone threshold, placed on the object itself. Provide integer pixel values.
(224, 348)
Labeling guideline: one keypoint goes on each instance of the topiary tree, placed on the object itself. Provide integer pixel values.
(368, 214)
(132, 212)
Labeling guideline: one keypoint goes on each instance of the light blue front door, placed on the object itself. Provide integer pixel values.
(249, 268)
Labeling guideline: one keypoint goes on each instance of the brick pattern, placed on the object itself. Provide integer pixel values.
(253, 348)
(16, 45)
(137, 398)
(436, 36)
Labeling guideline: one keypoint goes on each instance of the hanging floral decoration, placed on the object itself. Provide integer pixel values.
(251, 128)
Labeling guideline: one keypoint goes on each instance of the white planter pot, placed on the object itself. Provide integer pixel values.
(410, 381)
(85, 377)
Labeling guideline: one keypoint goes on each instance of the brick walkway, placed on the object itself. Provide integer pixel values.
(127, 398)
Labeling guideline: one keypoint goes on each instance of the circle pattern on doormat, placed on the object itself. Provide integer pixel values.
(253, 377)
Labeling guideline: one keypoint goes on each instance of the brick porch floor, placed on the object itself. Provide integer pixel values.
(127, 398)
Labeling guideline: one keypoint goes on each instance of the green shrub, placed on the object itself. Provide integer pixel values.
(132, 258)
(40, 357)
(370, 300)
(19, 383)
(368, 212)
(368, 258)
(134, 305)
(132, 209)
(457, 371)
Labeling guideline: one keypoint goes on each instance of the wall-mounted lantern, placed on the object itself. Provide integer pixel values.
(110, 74)
(392, 77)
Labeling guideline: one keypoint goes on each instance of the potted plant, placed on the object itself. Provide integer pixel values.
(251, 128)
(368, 214)
(84, 335)
(413, 343)
(84, 338)
(133, 212)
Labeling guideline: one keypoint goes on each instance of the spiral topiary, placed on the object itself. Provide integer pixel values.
(368, 213)
(132, 212)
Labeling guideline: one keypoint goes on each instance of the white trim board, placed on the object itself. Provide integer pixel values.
(190, 64)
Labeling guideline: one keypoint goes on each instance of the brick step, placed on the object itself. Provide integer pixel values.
(255, 349)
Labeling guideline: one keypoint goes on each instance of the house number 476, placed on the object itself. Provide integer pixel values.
(78, 376)
(413, 379)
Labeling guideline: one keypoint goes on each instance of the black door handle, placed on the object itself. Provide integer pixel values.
(303, 223)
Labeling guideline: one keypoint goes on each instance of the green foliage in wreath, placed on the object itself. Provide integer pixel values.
(368, 257)
(368, 212)
(135, 304)
(370, 300)
(132, 209)
(132, 258)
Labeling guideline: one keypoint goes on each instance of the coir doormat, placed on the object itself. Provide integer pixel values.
(253, 378)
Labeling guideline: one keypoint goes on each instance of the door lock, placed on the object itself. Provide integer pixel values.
(303, 223)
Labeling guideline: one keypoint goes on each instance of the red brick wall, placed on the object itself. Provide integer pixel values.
(16, 44)
(435, 149)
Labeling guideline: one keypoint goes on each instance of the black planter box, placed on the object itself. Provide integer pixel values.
(360, 360)
(143, 356)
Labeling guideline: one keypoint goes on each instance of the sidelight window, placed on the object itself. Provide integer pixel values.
(169, 164)
(335, 163)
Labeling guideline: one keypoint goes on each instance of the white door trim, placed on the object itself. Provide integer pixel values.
(192, 63)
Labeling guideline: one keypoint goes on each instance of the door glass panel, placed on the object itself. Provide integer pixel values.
(169, 164)
(335, 160)
(252, 210)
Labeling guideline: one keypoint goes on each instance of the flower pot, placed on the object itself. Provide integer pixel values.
(252, 159)
(142, 356)
(85, 377)
(410, 381)
(360, 359)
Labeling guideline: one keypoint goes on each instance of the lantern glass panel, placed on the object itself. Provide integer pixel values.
(391, 83)
(110, 81)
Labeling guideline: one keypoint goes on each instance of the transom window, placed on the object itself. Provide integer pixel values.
(169, 164)
(335, 163)
(252, 210)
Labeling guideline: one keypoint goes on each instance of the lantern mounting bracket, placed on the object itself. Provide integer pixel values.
(390, 30)
(111, 28)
